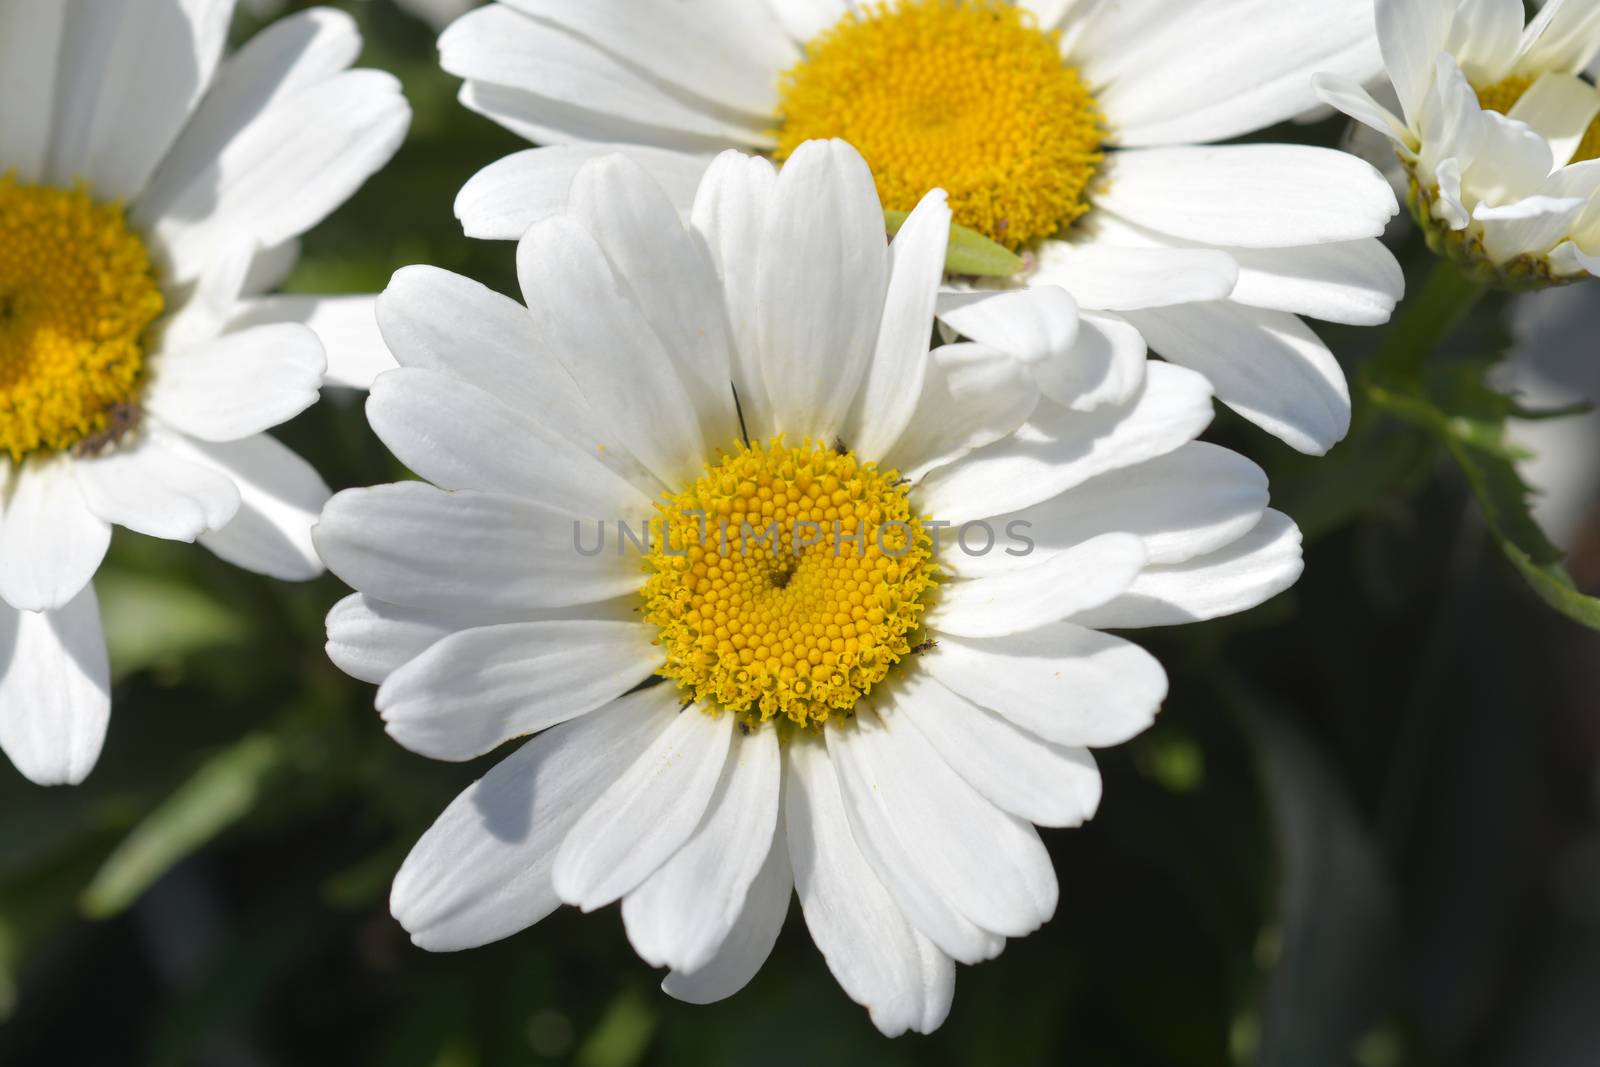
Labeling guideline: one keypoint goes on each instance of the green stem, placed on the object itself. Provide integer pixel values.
(1428, 316)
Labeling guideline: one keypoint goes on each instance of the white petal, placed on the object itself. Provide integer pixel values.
(730, 212)
(1187, 503)
(482, 871)
(1251, 571)
(1353, 99)
(1105, 365)
(1033, 324)
(887, 401)
(1357, 283)
(370, 640)
(476, 689)
(1066, 684)
(820, 286)
(646, 814)
(727, 51)
(755, 931)
(1560, 108)
(878, 958)
(1047, 784)
(1249, 196)
(804, 19)
(667, 271)
(240, 384)
(132, 74)
(1105, 276)
(55, 690)
(1411, 34)
(1564, 36)
(151, 489)
(1059, 585)
(1266, 365)
(1059, 448)
(30, 49)
(497, 46)
(283, 173)
(413, 544)
(50, 542)
(928, 833)
(436, 320)
(1214, 71)
(457, 436)
(603, 341)
(294, 53)
(1453, 124)
(682, 914)
(971, 396)
(347, 326)
(1513, 163)
(503, 199)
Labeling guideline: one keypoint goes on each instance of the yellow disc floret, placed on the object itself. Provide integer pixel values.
(1503, 96)
(787, 582)
(969, 96)
(77, 293)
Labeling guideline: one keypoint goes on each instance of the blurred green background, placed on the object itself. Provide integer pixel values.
(1363, 832)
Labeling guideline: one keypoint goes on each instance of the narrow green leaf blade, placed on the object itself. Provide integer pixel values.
(223, 791)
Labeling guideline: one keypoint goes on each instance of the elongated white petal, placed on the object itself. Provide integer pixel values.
(55, 690)
(1058, 448)
(1251, 571)
(888, 398)
(30, 49)
(681, 915)
(240, 384)
(1033, 324)
(878, 958)
(602, 341)
(927, 832)
(482, 871)
(646, 814)
(347, 326)
(730, 213)
(1061, 584)
(1104, 366)
(1249, 196)
(667, 271)
(476, 689)
(50, 542)
(459, 437)
(150, 488)
(971, 396)
(416, 545)
(819, 288)
(1266, 365)
(1109, 277)
(1062, 682)
(1047, 784)
(754, 933)
(280, 495)
(369, 639)
(1190, 502)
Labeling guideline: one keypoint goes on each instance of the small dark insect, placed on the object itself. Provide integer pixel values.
(744, 728)
(120, 420)
(922, 646)
(898, 482)
(839, 446)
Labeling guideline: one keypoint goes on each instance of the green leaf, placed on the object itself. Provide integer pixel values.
(970, 253)
(223, 791)
(1456, 402)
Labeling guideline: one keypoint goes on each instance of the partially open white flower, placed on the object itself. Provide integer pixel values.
(849, 699)
(1078, 132)
(149, 191)
(1500, 131)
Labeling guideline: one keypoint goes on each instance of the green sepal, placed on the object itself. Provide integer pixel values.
(970, 253)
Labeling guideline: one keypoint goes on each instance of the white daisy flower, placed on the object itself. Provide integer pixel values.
(1500, 131)
(844, 707)
(1075, 131)
(149, 189)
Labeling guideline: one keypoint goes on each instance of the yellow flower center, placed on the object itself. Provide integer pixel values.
(1503, 96)
(969, 96)
(77, 293)
(787, 581)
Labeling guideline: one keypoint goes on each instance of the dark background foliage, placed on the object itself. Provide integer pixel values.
(1363, 831)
